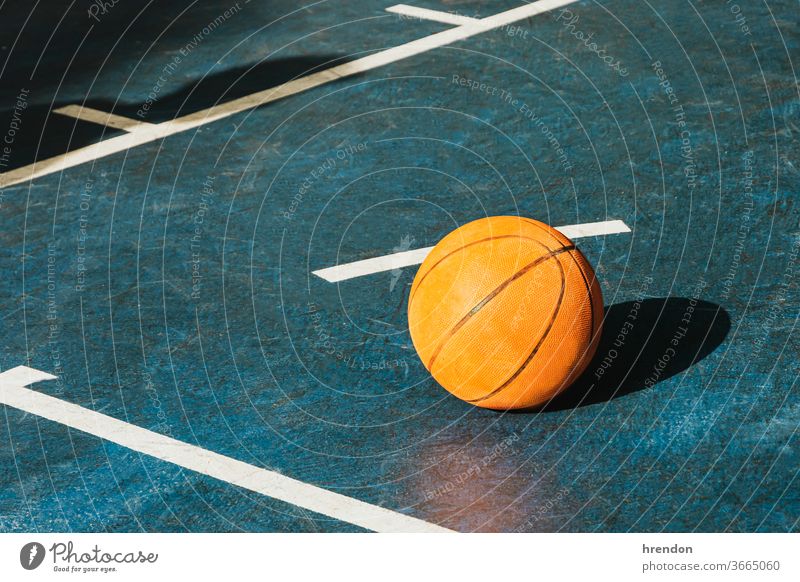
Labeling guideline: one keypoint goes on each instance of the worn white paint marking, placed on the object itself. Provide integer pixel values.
(416, 256)
(159, 131)
(14, 393)
(427, 14)
(593, 228)
(82, 155)
(101, 117)
(374, 265)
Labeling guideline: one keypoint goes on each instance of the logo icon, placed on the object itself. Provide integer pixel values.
(31, 555)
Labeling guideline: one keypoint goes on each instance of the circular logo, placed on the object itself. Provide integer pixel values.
(31, 555)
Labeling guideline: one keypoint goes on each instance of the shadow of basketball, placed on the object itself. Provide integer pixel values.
(644, 343)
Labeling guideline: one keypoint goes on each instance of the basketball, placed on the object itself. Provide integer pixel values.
(505, 312)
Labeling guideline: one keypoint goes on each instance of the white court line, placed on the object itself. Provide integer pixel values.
(427, 14)
(101, 117)
(415, 257)
(161, 130)
(13, 393)
(593, 228)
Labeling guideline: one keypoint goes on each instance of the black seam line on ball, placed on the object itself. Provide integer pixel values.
(458, 250)
(535, 223)
(588, 291)
(494, 294)
(591, 311)
(538, 344)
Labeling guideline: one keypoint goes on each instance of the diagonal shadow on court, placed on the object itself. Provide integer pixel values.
(219, 87)
(44, 134)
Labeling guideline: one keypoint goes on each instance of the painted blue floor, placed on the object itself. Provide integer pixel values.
(171, 286)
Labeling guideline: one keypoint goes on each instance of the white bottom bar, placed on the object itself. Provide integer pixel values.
(404, 558)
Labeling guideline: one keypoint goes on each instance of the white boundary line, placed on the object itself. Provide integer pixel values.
(161, 130)
(593, 228)
(13, 393)
(101, 117)
(415, 257)
(427, 14)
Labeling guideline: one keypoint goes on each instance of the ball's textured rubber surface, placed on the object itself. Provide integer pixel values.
(505, 312)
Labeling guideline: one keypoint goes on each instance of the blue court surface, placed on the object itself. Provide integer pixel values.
(188, 191)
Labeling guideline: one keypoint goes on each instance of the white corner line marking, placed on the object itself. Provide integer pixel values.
(415, 257)
(427, 14)
(14, 393)
(158, 131)
(101, 117)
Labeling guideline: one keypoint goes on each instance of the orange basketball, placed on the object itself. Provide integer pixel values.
(505, 312)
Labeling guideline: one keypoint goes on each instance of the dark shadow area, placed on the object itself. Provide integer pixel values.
(54, 43)
(52, 51)
(644, 343)
(37, 128)
(218, 87)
